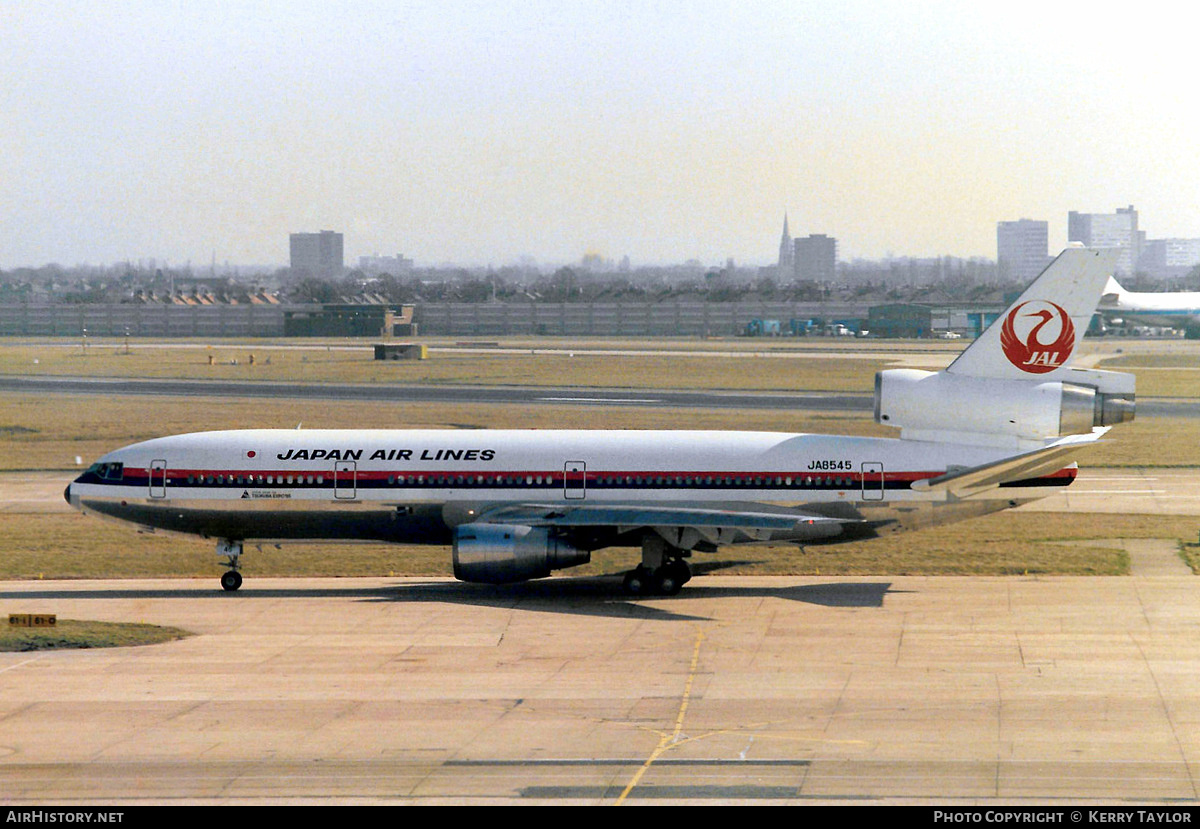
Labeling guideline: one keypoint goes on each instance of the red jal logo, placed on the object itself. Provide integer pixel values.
(1025, 333)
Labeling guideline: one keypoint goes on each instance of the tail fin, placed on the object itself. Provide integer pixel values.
(1111, 295)
(1013, 386)
(1039, 333)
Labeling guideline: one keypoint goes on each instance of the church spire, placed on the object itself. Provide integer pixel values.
(787, 249)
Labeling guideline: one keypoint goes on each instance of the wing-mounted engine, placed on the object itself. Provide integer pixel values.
(960, 408)
(504, 553)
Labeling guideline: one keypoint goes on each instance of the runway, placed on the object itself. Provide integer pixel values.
(524, 395)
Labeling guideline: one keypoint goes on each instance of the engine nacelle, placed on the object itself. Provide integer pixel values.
(943, 406)
(503, 553)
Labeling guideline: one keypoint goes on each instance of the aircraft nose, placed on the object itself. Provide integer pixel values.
(67, 494)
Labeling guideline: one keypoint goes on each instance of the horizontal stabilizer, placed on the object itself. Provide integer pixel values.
(1048, 459)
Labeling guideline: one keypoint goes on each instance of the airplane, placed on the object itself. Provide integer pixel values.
(999, 427)
(1173, 310)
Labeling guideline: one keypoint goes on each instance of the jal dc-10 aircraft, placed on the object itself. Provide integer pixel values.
(997, 428)
(1172, 310)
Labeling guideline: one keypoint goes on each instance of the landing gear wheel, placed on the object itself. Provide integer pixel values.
(667, 581)
(638, 581)
(672, 576)
(232, 553)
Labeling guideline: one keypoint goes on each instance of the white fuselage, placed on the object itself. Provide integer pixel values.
(418, 485)
(1163, 309)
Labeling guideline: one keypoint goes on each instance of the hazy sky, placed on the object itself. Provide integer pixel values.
(478, 132)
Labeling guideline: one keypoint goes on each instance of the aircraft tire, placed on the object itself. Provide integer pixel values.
(637, 581)
(685, 572)
(231, 580)
(668, 581)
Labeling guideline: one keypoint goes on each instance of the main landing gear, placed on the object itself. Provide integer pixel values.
(663, 571)
(232, 551)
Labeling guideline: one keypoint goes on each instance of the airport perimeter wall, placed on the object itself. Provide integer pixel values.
(619, 319)
(137, 320)
(666, 319)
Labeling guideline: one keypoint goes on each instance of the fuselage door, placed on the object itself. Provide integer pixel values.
(158, 479)
(344, 483)
(574, 480)
(872, 481)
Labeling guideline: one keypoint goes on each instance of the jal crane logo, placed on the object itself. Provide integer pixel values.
(1037, 336)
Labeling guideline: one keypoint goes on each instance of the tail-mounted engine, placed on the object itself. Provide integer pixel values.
(503, 553)
(943, 406)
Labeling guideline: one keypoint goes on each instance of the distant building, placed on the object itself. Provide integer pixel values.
(1109, 230)
(317, 254)
(1022, 249)
(1169, 258)
(816, 258)
(917, 320)
(339, 320)
(375, 265)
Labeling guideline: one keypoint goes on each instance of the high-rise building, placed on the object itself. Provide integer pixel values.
(317, 254)
(1109, 230)
(376, 264)
(816, 257)
(1169, 258)
(1022, 249)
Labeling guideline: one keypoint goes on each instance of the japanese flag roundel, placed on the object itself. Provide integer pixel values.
(1037, 336)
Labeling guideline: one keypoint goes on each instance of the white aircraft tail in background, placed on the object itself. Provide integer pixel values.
(1171, 310)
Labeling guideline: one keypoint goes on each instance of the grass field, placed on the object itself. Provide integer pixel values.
(71, 633)
(70, 545)
(51, 431)
(727, 370)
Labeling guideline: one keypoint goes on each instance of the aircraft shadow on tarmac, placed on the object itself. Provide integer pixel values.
(580, 595)
(604, 596)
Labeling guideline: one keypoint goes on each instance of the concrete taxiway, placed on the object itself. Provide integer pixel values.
(740, 689)
(912, 690)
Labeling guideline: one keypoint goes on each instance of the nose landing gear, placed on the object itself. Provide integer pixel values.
(232, 551)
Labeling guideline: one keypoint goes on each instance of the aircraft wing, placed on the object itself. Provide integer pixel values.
(713, 524)
(1041, 461)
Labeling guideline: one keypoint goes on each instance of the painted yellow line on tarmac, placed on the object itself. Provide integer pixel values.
(668, 740)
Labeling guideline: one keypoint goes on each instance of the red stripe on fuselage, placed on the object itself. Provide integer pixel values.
(1067, 475)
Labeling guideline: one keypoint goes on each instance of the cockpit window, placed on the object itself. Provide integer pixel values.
(108, 471)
